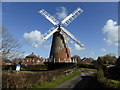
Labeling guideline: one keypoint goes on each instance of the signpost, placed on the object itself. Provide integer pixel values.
(18, 67)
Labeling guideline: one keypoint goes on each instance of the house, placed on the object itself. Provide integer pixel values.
(87, 61)
(2, 63)
(107, 59)
(17, 61)
(6, 62)
(76, 59)
(32, 59)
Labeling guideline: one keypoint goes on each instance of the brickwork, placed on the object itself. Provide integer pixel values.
(63, 56)
(32, 59)
(59, 49)
(86, 61)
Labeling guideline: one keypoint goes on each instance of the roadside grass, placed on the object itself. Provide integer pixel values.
(115, 81)
(89, 69)
(58, 81)
(28, 71)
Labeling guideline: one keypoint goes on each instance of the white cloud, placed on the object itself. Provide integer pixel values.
(103, 49)
(111, 32)
(33, 36)
(78, 47)
(61, 13)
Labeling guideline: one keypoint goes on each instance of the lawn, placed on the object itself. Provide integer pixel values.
(28, 71)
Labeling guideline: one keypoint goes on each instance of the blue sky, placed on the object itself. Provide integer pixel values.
(96, 27)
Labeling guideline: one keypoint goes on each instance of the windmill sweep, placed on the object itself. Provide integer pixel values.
(60, 52)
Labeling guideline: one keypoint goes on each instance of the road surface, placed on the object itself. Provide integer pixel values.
(69, 83)
(85, 80)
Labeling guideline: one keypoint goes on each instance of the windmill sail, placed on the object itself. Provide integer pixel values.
(72, 16)
(59, 53)
(72, 36)
(49, 17)
(46, 36)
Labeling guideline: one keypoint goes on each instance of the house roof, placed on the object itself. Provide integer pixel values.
(31, 55)
(86, 59)
(7, 61)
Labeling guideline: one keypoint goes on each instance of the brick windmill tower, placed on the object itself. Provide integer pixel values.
(59, 49)
(60, 53)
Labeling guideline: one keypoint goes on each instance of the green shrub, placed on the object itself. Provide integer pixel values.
(33, 67)
(100, 76)
(107, 82)
(7, 67)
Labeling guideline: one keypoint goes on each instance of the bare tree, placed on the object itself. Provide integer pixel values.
(10, 47)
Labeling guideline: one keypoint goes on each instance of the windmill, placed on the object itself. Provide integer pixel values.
(59, 49)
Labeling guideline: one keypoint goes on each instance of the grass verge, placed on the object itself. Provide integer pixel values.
(89, 69)
(57, 81)
(28, 71)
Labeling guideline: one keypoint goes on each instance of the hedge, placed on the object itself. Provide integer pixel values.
(29, 79)
(107, 83)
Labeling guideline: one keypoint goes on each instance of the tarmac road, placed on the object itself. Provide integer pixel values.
(88, 82)
(70, 83)
(85, 80)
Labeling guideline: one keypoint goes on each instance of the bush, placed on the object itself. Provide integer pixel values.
(87, 66)
(114, 73)
(33, 67)
(23, 67)
(100, 75)
(29, 79)
(118, 61)
(7, 67)
(105, 82)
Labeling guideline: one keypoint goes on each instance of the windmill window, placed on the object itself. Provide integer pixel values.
(27, 60)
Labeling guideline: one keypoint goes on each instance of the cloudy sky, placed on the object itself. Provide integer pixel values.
(96, 27)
